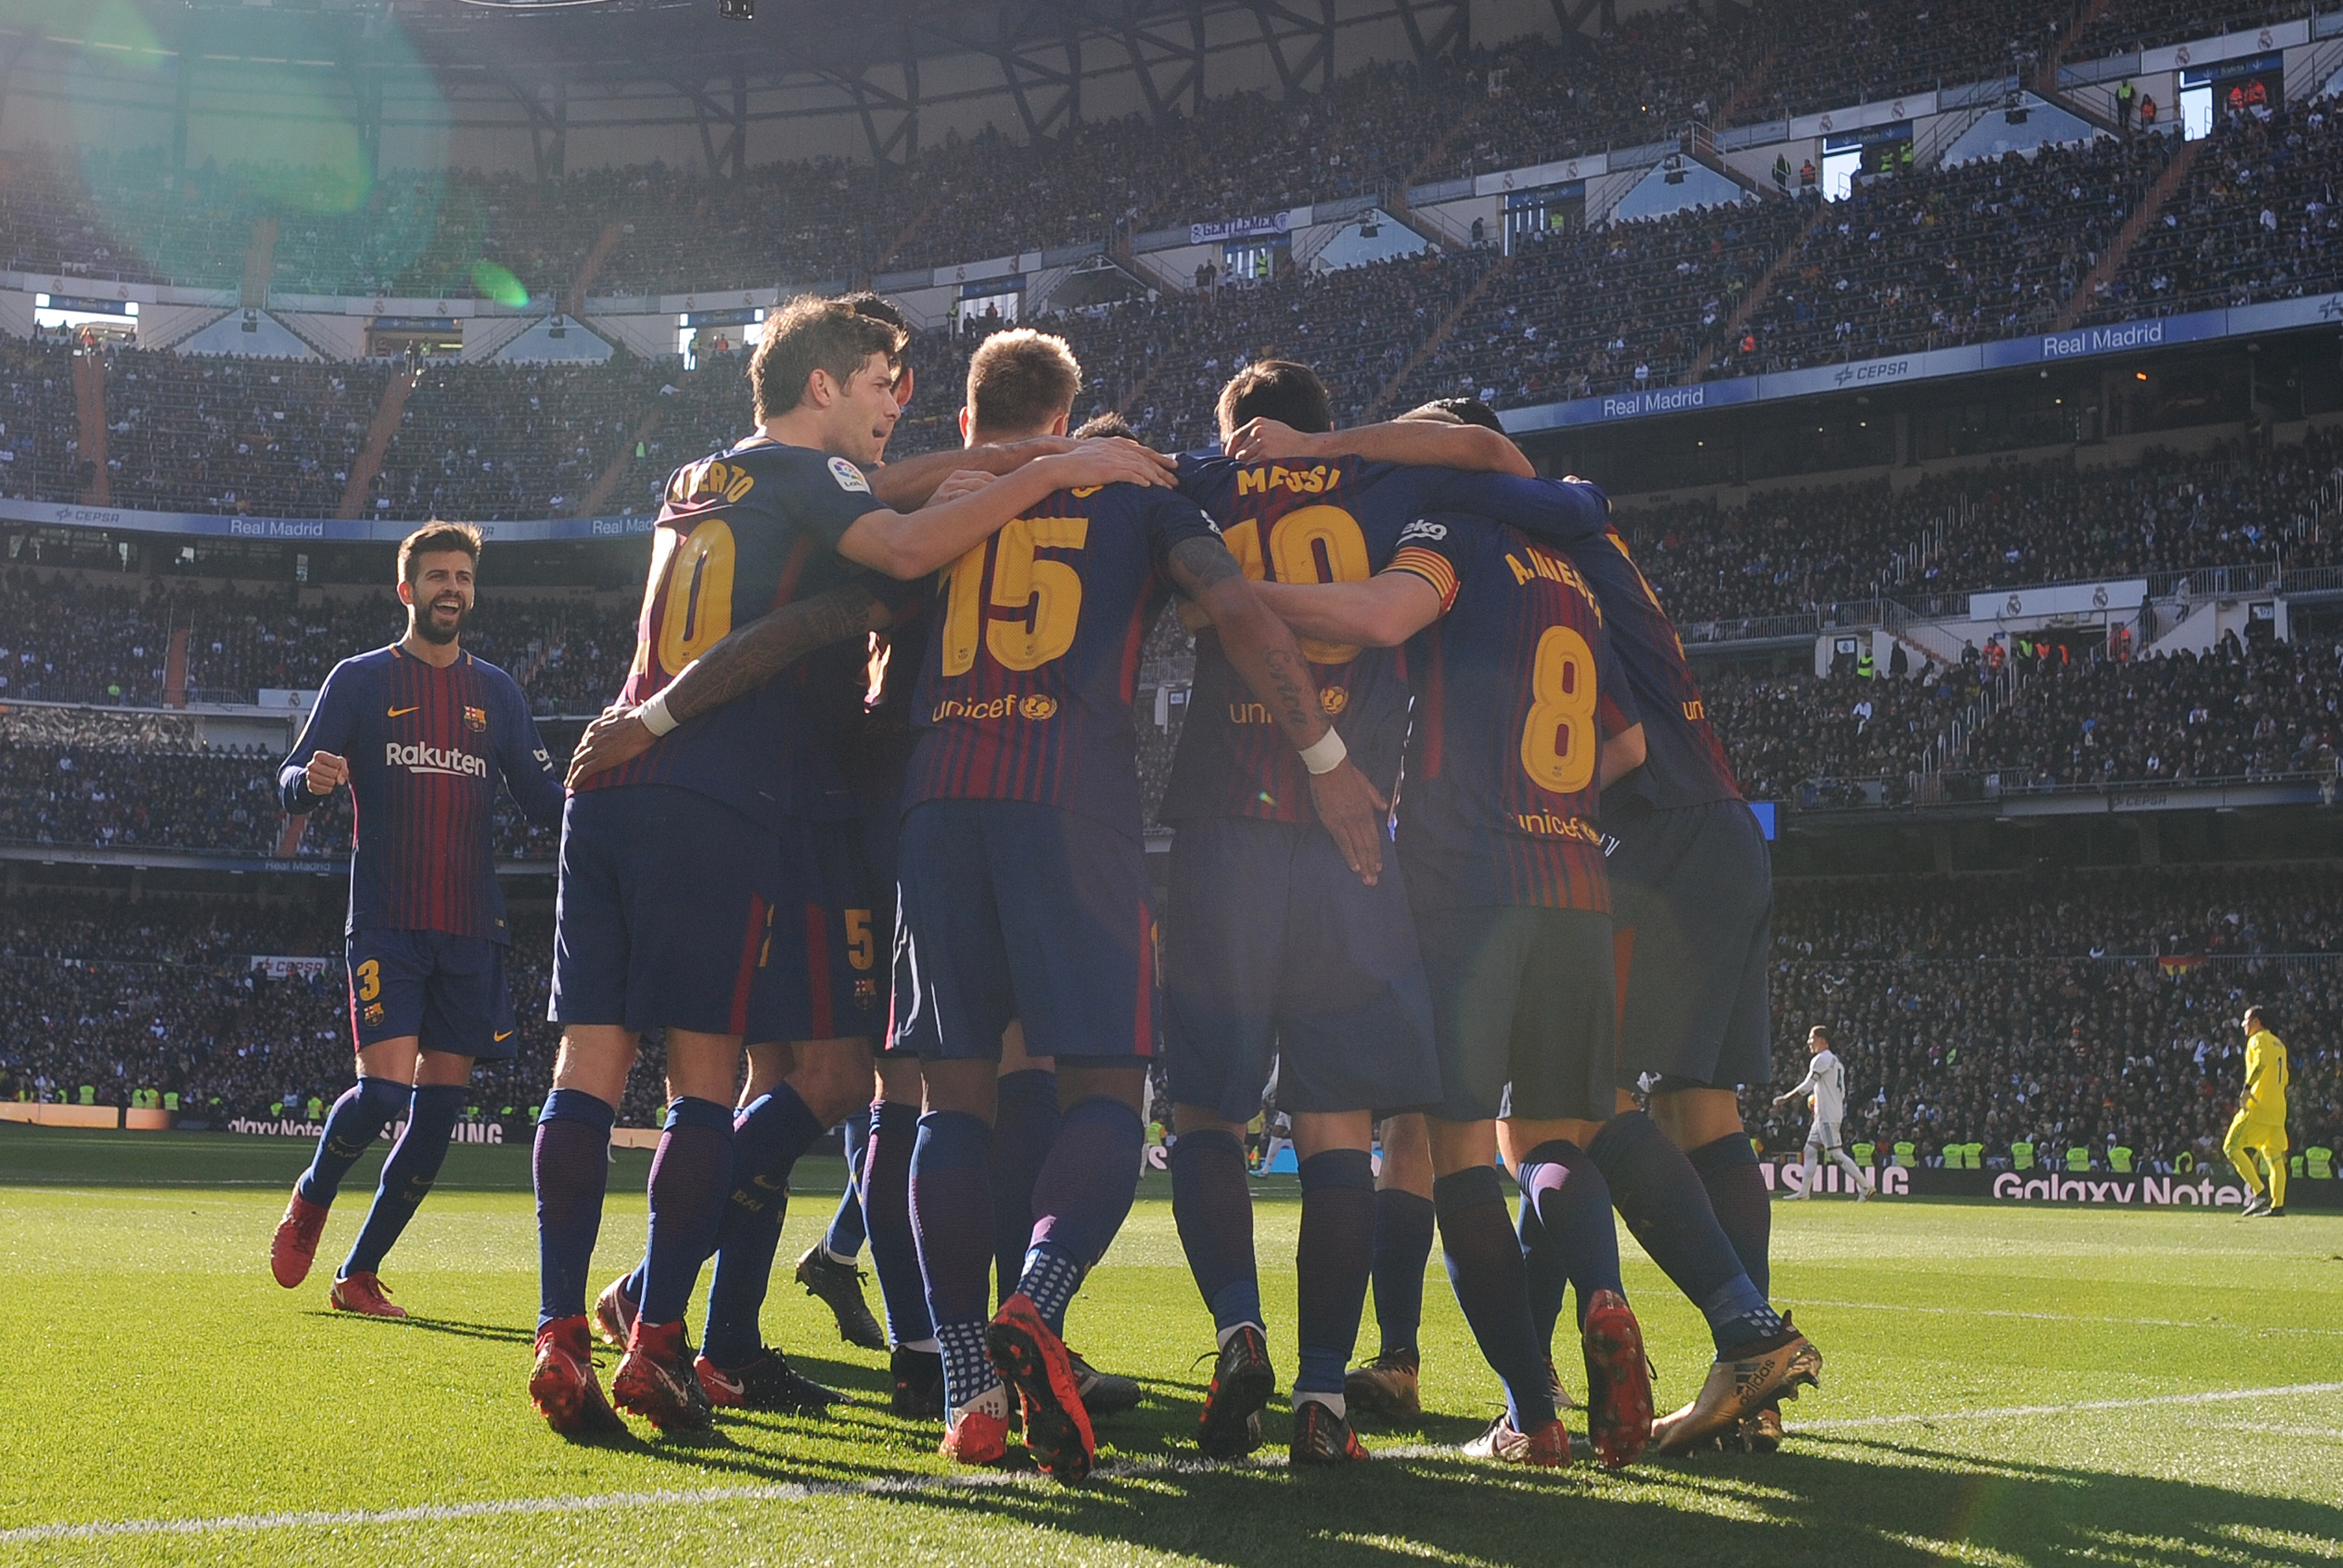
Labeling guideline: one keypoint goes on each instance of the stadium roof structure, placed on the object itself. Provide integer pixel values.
(551, 67)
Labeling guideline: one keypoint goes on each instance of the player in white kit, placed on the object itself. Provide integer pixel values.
(1826, 1082)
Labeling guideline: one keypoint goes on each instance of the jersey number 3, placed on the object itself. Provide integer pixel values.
(1029, 616)
(1558, 743)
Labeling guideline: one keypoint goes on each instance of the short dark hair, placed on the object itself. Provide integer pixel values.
(810, 334)
(1107, 424)
(1463, 410)
(1819, 1030)
(433, 537)
(1279, 389)
(1019, 380)
(879, 308)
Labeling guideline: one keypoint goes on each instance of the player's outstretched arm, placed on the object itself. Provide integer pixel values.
(1271, 663)
(1382, 612)
(1424, 443)
(906, 486)
(318, 763)
(744, 660)
(907, 545)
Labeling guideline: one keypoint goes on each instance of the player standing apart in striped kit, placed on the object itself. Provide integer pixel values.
(420, 731)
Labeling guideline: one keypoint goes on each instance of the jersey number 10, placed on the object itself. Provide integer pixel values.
(1024, 610)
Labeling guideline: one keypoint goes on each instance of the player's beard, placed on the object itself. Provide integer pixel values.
(427, 627)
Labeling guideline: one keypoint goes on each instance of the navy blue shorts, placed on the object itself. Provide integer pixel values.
(1274, 950)
(1521, 1005)
(1692, 898)
(663, 912)
(1012, 910)
(818, 974)
(449, 991)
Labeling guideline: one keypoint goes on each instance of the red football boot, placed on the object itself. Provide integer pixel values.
(1034, 1362)
(366, 1294)
(562, 1384)
(978, 1437)
(1618, 1382)
(295, 1246)
(656, 1381)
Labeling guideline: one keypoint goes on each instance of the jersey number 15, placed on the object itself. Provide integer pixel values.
(1024, 609)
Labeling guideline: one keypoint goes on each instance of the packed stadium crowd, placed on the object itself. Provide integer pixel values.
(2091, 1009)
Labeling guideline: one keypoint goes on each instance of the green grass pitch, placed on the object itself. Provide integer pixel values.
(2002, 1387)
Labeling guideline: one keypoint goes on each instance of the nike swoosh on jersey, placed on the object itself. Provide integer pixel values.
(506, 1036)
(403, 712)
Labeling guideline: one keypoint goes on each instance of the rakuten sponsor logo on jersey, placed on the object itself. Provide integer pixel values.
(420, 758)
(1547, 825)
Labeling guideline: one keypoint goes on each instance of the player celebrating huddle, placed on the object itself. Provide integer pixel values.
(420, 731)
(685, 868)
(1524, 718)
(1023, 889)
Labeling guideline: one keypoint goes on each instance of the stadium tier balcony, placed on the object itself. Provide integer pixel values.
(2126, 26)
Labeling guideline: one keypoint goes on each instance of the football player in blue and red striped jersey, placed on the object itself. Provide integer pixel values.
(1523, 717)
(1023, 889)
(730, 843)
(421, 733)
(1692, 887)
(1271, 945)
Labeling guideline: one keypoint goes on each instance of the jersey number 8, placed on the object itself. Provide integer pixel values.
(1036, 604)
(1558, 743)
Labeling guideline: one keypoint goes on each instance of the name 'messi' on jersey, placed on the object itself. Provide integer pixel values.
(421, 757)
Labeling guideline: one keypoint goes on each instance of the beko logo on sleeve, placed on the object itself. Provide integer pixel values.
(1423, 528)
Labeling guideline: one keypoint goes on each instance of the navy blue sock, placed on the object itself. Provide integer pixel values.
(1212, 1202)
(1543, 1269)
(353, 1124)
(572, 1166)
(746, 1237)
(1080, 1199)
(690, 1176)
(1486, 1268)
(767, 1140)
(887, 1210)
(848, 1228)
(1728, 1169)
(1666, 1209)
(1024, 1125)
(951, 1215)
(1575, 1235)
(1403, 1233)
(407, 1176)
(1330, 1263)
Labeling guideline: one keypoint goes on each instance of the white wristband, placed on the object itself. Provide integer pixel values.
(655, 716)
(1324, 754)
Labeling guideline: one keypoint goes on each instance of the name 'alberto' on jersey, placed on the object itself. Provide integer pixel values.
(1519, 690)
(740, 534)
(1032, 655)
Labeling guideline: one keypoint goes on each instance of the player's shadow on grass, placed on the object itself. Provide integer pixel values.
(505, 1333)
(1881, 1504)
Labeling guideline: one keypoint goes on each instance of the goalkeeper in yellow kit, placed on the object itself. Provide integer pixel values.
(2259, 1126)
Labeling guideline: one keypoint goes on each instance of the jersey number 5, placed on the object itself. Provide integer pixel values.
(1029, 616)
(1558, 742)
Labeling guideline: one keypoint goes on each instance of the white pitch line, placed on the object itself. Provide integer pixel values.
(795, 1492)
(2219, 1396)
(2065, 1317)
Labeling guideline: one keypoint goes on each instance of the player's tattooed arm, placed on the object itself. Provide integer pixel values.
(1271, 663)
(908, 484)
(1428, 443)
(743, 661)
